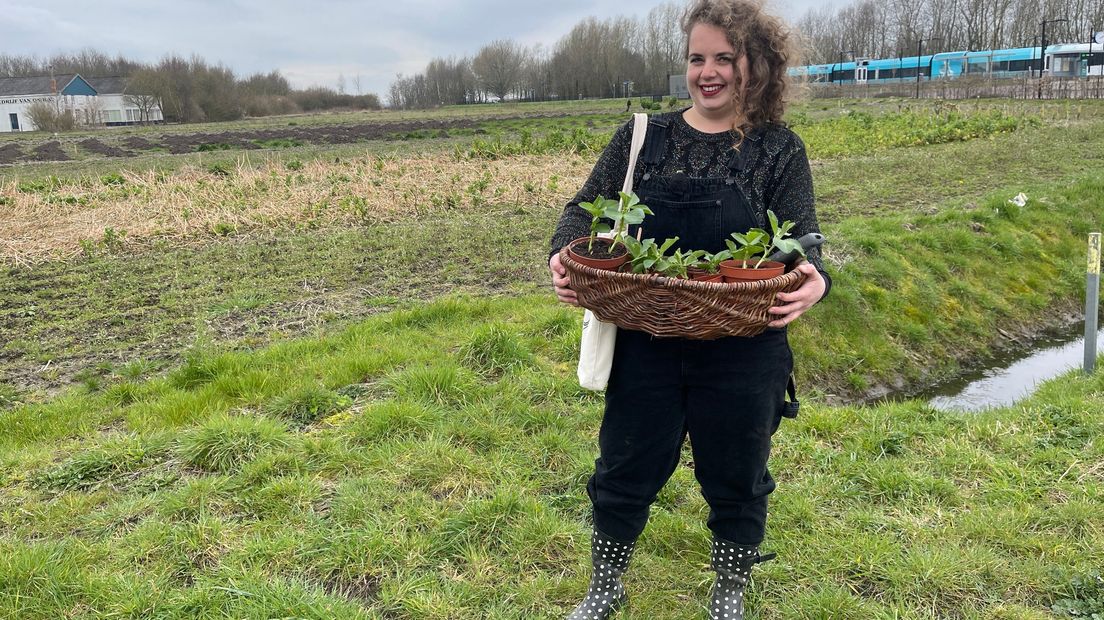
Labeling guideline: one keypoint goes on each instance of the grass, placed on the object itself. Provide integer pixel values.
(410, 467)
(337, 413)
(137, 291)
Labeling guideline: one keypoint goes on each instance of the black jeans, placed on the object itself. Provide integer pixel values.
(727, 394)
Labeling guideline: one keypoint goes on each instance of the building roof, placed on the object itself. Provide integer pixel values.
(38, 85)
(72, 82)
(110, 85)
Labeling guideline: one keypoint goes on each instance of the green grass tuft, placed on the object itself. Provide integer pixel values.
(224, 443)
(494, 350)
(442, 384)
(307, 405)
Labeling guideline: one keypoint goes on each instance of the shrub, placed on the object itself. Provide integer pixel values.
(46, 117)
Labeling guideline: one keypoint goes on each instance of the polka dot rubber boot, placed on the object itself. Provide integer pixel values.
(733, 565)
(606, 595)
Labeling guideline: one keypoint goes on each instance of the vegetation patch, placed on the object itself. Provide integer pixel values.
(856, 132)
(187, 204)
(307, 405)
(224, 443)
(279, 143)
(109, 463)
(455, 494)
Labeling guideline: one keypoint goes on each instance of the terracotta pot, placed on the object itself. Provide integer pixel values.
(701, 275)
(600, 246)
(733, 272)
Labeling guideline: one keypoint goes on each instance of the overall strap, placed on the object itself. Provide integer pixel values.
(792, 406)
(739, 158)
(655, 144)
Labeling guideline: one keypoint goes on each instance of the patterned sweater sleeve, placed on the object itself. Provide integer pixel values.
(792, 199)
(605, 179)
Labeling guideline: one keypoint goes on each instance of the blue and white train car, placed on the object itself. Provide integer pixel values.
(1062, 60)
(1073, 59)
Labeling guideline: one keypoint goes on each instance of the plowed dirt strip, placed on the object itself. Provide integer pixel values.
(37, 225)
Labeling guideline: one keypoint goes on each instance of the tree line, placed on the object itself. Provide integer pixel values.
(616, 57)
(597, 57)
(190, 89)
(894, 28)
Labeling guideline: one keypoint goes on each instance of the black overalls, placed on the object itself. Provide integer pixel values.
(728, 394)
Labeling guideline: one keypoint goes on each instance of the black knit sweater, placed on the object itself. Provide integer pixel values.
(776, 177)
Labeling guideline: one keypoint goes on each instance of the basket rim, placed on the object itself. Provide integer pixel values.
(655, 279)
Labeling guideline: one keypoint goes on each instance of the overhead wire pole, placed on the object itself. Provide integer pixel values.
(841, 53)
(1042, 52)
(919, 51)
(1094, 37)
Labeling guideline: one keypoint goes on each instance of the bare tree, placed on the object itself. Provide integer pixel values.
(141, 92)
(498, 67)
(820, 34)
(664, 45)
(536, 80)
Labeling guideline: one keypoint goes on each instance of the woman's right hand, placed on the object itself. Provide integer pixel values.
(560, 282)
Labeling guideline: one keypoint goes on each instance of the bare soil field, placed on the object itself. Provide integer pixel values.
(10, 153)
(50, 151)
(177, 143)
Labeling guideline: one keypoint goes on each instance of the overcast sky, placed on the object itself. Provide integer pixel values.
(310, 42)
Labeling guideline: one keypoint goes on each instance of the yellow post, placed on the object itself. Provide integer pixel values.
(1092, 301)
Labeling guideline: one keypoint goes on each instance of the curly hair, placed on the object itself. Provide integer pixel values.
(769, 48)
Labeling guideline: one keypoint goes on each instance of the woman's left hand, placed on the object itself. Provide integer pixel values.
(797, 302)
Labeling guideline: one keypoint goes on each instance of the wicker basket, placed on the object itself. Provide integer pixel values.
(673, 307)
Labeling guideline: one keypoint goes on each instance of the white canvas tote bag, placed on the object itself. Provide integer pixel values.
(599, 338)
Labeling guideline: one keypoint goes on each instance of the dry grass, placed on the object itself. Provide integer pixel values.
(43, 224)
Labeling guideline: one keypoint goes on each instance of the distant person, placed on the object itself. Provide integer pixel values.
(706, 171)
(628, 104)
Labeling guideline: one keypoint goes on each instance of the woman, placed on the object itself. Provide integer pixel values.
(707, 171)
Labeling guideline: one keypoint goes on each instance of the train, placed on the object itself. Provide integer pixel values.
(1066, 60)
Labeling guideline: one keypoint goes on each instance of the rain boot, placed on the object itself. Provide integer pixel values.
(733, 565)
(609, 559)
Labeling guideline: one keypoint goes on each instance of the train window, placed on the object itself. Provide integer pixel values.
(1064, 64)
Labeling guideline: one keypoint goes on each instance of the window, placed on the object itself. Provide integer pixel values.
(113, 116)
(1062, 65)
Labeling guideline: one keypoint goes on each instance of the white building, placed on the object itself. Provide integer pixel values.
(93, 101)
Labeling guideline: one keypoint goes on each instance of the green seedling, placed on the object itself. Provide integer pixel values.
(628, 211)
(758, 243)
(648, 257)
(678, 264)
(712, 262)
(645, 256)
(746, 246)
(600, 208)
(780, 236)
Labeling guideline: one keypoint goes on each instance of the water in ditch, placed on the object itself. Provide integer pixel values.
(1015, 375)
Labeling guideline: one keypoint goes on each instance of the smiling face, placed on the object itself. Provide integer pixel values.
(711, 73)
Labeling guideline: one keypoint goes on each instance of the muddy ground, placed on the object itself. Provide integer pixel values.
(180, 143)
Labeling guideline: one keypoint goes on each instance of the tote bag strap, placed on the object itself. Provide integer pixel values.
(640, 130)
